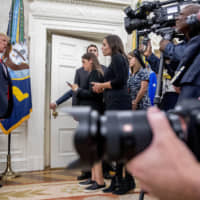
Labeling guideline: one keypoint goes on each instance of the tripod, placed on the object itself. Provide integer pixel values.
(157, 99)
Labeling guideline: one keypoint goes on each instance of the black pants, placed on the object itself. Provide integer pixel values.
(169, 101)
(188, 92)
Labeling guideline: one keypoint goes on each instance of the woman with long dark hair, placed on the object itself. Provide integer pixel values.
(138, 81)
(87, 97)
(116, 98)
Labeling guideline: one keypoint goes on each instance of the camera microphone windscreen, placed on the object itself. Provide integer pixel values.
(193, 19)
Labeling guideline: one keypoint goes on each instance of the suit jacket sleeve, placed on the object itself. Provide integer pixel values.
(120, 71)
(77, 77)
(88, 93)
(65, 97)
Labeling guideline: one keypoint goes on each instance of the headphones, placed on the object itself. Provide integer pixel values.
(137, 54)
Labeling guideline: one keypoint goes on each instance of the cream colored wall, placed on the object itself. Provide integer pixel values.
(4, 10)
(4, 14)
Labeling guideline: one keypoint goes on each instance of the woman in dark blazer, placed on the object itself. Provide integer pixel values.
(116, 98)
(87, 97)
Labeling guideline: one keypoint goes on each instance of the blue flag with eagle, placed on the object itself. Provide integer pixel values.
(17, 63)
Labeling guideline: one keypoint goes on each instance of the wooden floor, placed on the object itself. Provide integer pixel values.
(46, 176)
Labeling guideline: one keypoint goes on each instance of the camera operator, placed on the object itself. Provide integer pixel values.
(164, 171)
(188, 72)
(169, 95)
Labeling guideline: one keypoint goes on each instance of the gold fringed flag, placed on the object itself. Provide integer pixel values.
(20, 76)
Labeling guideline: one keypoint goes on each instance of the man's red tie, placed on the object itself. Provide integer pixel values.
(1, 60)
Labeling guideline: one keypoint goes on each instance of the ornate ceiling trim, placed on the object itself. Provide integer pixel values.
(102, 3)
(78, 10)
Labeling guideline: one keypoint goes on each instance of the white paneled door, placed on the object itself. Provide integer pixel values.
(66, 58)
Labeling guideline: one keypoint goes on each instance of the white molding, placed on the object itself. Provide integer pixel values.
(107, 3)
(77, 13)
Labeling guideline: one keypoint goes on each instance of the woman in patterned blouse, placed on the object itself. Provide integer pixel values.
(138, 81)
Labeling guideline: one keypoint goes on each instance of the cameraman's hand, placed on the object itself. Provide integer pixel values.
(167, 169)
(177, 89)
(148, 51)
(163, 44)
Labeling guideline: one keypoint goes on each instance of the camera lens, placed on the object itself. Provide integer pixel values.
(121, 135)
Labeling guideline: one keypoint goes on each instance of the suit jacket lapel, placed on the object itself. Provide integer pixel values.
(4, 70)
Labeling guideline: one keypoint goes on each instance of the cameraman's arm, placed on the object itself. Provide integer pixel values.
(154, 62)
(151, 58)
(167, 169)
(172, 51)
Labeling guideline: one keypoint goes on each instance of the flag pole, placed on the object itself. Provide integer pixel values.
(8, 173)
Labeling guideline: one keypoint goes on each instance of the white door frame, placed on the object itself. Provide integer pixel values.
(44, 17)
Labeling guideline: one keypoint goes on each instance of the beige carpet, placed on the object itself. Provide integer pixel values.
(62, 190)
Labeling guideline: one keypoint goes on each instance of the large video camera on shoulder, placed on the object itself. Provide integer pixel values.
(156, 16)
(121, 135)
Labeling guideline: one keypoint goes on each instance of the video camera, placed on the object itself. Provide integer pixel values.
(121, 135)
(154, 16)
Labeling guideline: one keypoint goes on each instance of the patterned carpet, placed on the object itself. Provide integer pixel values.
(55, 185)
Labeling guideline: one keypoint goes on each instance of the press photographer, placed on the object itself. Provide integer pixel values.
(127, 135)
(189, 84)
(187, 75)
(158, 17)
(167, 169)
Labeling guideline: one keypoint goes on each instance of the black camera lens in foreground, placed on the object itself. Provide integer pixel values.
(121, 135)
(120, 131)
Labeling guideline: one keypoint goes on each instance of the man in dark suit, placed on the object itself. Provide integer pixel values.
(81, 78)
(6, 101)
